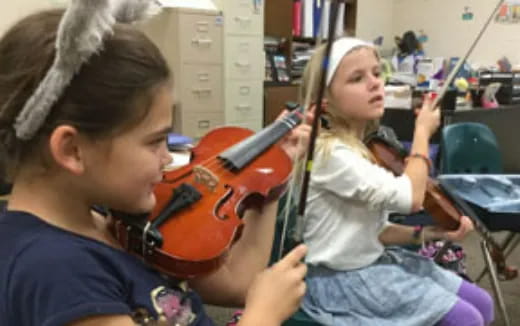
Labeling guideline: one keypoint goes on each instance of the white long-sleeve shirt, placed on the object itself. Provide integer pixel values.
(346, 205)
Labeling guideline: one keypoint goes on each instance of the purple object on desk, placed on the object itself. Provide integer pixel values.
(178, 139)
(177, 142)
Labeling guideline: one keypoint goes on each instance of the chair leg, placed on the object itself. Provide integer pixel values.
(494, 283)
(511, 246)
(506, 248)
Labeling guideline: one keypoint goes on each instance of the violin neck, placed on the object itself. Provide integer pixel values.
(241, 154)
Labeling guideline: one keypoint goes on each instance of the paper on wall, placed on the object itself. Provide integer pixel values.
(197, 4)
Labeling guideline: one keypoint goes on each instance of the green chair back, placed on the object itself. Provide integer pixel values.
(469, 147)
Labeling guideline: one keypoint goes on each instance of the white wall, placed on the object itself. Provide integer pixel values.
(375, 18)
(12, 10)
(450, 36)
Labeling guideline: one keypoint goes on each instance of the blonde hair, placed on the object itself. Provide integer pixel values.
(339, 125)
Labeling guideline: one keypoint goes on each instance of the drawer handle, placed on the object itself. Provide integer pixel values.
(203, 76)
(203, 124)
(242, 19)
(243, 107)
(244, 90)
(198, 41)
(201, 91)
(243, 64)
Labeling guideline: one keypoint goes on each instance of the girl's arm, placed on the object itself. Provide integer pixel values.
(416, 169)
(397, 234)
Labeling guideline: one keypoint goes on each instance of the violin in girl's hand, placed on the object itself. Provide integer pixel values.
(198, 215)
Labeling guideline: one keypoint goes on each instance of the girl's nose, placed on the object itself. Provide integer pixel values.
(166, 157)
(375, 82)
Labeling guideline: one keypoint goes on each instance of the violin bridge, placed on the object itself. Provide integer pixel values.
(205, 177)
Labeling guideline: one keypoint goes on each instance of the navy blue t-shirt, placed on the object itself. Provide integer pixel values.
(51, 277)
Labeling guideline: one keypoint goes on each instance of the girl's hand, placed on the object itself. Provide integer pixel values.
(296, 142)
(428, 118)
(277, 292)
(466, 226)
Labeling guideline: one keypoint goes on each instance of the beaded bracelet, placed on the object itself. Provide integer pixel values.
(422, 157)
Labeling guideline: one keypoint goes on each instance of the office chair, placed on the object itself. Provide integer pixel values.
(472, 148)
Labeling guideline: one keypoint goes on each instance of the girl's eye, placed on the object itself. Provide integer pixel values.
(158, 141)
(356, 78)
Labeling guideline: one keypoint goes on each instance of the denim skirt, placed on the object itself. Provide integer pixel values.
(400, 288)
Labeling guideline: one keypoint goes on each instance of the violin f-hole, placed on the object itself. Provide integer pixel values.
(222, 201)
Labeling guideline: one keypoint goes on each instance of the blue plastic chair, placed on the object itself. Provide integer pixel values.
(469, 147)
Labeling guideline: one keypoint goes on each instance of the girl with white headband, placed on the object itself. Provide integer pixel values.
(354, 277)
(85, 108)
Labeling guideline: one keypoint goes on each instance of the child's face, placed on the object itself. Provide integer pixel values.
(125, 175)
(357, 89)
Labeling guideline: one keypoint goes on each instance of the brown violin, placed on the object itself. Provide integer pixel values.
(390, 155)
(198, 215)
(440, 200)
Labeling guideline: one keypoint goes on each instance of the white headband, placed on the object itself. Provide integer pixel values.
(339, 49)
(80, 35)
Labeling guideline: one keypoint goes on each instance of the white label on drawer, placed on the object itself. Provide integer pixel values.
(202, 91)
(243, 20)
(203, 76)
(242, 64)
(243, 107)
(202, 42)
(203, 124)
(202, 26)
(245, 90)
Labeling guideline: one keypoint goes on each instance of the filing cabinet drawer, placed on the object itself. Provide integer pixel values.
(244, 58)
(197, 124)
(200, 87)
(200, 38)
(244, 100)
(255, 125)
(243, 17)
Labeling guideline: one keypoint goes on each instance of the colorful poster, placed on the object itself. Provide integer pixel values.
(509, 12)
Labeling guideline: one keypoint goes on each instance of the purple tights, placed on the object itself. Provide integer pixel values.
(473, 308)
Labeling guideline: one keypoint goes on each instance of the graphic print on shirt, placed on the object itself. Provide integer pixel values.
(173, 308)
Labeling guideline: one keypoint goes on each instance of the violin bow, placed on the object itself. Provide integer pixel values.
(460, 63)
(307, 165)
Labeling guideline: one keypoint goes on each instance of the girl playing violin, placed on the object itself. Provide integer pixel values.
(354, 277)
(85, 110)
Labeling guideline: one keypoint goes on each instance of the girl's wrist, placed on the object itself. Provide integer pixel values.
(422, 131)
(431, 234)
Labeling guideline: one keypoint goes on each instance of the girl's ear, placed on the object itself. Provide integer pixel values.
(65, 149)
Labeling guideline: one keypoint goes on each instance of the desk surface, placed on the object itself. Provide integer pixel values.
(497, 193)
